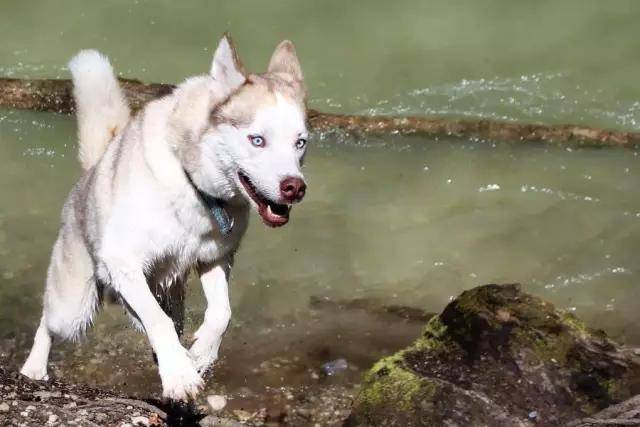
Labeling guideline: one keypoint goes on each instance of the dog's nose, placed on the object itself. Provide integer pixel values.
(292, 189)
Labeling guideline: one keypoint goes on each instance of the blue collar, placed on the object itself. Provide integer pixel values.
(215, 206)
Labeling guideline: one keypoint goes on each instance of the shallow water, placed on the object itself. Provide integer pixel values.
(405, 221)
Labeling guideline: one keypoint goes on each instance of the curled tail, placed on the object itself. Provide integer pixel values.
(101, 107)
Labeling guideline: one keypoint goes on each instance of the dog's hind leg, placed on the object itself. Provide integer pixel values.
(35, 367)
(70, 301)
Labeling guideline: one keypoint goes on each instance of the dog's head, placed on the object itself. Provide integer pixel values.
(253, 140)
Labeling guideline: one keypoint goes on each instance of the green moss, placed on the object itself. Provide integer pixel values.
(549, 350)
(389, 381)
(434, 329)
(481, 331)
(433, 336)
(617, 388)
(469, 306)
(550, 336)
(553, 347)
(575, 324)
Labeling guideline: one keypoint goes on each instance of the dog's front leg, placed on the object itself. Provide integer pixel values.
(214, 278)
(180, 379)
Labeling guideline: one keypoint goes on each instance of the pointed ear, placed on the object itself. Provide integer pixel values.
(226, 67)
(285, 60)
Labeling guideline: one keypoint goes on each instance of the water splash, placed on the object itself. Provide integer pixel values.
(555, 97)
(563, 195)
(581, 278)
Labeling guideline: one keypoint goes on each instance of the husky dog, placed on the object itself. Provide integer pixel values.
(169, 190)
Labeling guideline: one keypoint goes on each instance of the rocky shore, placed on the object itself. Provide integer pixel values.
(495, 356)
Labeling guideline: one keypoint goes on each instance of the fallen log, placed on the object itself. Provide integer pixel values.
(55, 95)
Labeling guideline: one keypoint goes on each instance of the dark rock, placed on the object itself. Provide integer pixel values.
(55, 402)
(500, 357)
(626, 413)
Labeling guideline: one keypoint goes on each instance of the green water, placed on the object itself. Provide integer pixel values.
(405, 220)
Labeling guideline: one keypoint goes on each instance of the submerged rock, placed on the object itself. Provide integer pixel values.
(500, 357)
(334, 367)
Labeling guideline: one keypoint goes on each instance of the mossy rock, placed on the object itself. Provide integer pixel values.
(498, 357)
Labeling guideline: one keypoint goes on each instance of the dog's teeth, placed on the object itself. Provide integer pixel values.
(269, 209)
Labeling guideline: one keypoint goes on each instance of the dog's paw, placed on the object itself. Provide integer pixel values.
(203, 354)
(37, 373)
(180, 379)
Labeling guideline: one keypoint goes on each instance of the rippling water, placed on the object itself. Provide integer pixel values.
(407, 221)
(547, 98)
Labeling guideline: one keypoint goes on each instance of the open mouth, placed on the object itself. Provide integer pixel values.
(273, 214)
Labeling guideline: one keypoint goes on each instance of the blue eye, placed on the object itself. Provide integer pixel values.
(300, 143)
(256, 140)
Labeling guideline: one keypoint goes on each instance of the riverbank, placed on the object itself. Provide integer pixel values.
(494, 356)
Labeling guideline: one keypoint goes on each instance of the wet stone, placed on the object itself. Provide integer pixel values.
(215, 421)
(334, 367)
(499, 357)
(216, 402)
(140, 421)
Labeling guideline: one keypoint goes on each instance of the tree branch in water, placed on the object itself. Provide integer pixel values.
(56, 96)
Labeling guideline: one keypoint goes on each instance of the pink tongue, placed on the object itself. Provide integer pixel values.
(270, 217)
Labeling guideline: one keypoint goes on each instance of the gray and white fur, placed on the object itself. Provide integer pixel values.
(139, 219)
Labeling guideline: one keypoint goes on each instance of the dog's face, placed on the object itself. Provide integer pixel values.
(256, 138)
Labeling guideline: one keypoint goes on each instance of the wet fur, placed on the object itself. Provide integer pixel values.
(134, 224)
